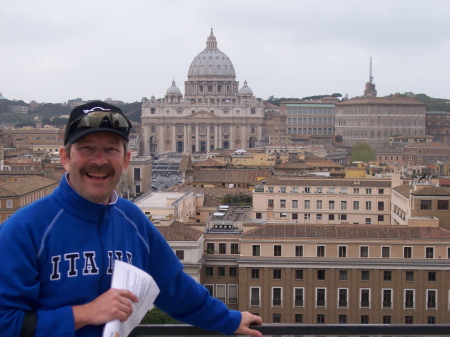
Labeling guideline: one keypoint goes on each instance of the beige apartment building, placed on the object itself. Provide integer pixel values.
(23, 191)
(323, 200)
(355, 274)
(421, 204)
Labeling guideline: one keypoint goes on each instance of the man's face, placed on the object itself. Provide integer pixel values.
(95, 165)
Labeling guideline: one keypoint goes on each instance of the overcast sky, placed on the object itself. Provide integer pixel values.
(53, 51)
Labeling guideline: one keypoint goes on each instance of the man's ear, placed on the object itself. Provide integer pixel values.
(64, 158)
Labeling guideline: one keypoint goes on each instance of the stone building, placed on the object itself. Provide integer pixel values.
(213, 114)
(375, 120)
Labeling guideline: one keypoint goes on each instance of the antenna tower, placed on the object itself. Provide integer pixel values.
(370, 75)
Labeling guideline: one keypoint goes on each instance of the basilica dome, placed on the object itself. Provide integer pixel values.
(173, 90)
(211, 62)
(245, 90)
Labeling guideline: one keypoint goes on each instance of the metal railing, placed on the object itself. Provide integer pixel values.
(301, 329)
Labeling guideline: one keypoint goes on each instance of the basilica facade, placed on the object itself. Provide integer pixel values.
(214, 112)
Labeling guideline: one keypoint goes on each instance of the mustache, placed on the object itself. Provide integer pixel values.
(98, 169)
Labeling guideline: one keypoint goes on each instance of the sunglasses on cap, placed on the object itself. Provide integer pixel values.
(95, 117)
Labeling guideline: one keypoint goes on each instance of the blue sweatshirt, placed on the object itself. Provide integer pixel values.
(59, 251)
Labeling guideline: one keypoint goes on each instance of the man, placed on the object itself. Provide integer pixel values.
(57, 254)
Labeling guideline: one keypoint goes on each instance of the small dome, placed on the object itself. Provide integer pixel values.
(173, 90)
(245, 90)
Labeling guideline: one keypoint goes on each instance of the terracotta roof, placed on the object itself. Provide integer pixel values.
(426, 145)
(25, 186)
(229, 176)
(404, 190)
(431, 191)
(399, 100)
(349, 231)
(344, 182)
(179, 232)
(210, 163)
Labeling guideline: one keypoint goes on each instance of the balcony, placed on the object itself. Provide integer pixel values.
(301, 329)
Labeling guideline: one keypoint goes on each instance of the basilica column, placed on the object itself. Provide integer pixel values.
(197, 138)
(174, 138)
(161, 138)
(208, 133)
(232, 144)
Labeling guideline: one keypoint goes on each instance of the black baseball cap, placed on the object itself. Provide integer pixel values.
(96, 116)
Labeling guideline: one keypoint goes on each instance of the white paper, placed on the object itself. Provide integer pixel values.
(128, 277)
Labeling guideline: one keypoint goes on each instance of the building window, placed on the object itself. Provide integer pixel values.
(343, 298)
(342, 319)
(330, 216)
(276, 297)
(255, 273)
(294, 216)
(258, 215)
(276, 318)
(255, 296)
(307, 216)
(232, 294)
(343, 205)
(298, 251)
(277, 250)
(320, 318)
(364, 251)
(299, 274)
(425, 204)
(294, 203)
(331, 204)
(380, 218)
(387, 275)
(409, 320)
(210, 288)
(380, 205)
(221, 271)
(429, 252)
(282, 203)
(356, 191)
(210, 249)
(385, 252)
(298, 318)
(307, 204)
(409, 298)
(234, 248)
(320, 251)
(320, 297)
(232, 271)
(319, 204)
(355, 205)
(321, 274)
(365, 275)
(222, 248)
(180, 254)
(256, 250)
(380, 191)
(443, 205)
(277, 274)
(407, 252)
(9, 203)
(365, 298)
(342, 275)
(364, 319)
(368, 191)
(298, 297)
(409, 276)
(431, 299)
(386, 319)
(431, 320)
(209, 271)
(431, 276)
(387, 298)
(368, 205)
(342, 251)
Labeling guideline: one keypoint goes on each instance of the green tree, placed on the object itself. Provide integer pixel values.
(362, 151)
(156, 316)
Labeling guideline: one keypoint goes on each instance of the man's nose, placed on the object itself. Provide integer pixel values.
(99, 157)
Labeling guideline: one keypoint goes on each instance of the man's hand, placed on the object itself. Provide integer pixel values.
(111, 305)
(247, 319)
